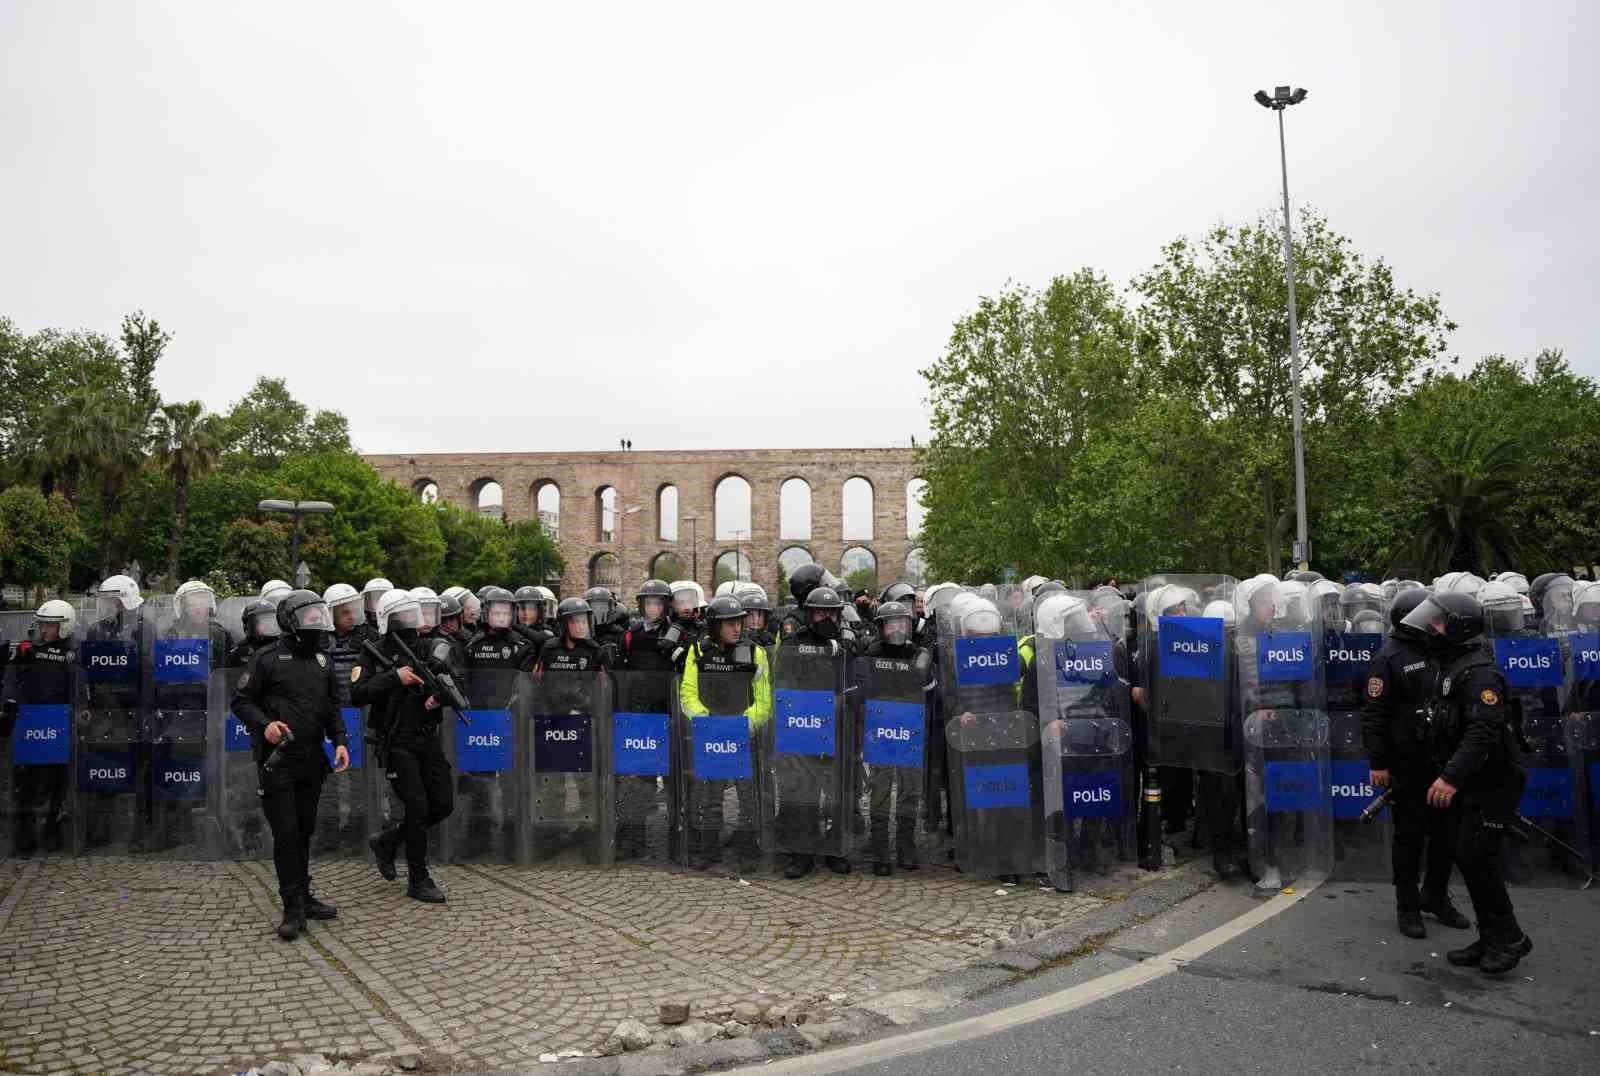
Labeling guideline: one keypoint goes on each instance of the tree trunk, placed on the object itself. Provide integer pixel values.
(180, 504)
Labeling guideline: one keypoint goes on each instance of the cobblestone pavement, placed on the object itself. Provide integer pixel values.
(131, 965)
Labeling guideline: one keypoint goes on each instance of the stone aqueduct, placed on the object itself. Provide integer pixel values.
(615, 513)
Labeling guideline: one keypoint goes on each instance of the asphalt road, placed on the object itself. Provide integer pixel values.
(1325, 985)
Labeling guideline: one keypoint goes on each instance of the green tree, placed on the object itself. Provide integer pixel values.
(36, 537)
(143, 343)
(376, 528)
(1214, 326)
(254, 551)
(476, 548)
(267, 424)
(532, 554)
(1467, 488)
(1025, 381)
(187, 446)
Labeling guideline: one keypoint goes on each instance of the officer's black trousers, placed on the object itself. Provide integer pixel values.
(289, 796)
(1422, 835)
(1478, 848)
(420, 776)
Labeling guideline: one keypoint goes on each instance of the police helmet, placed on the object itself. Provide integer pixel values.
(898, 592)
(57, 612)
(303, 610)
(1219, 610)
(195, 591)
(340, 594)
(821, 597)
(123, 590)
(1451, 616)
(259, 618)
(275, 590)
(1515, 580)
(449, 607)
(725, 607)
(655, 588)
(398, 611)
(571, 609)
(1404, 602)
(1502, 607)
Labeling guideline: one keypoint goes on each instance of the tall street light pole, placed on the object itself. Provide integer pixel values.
(295, 509)
(1282, 97)
(694, 545)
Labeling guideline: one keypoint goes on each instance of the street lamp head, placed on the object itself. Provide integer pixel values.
(1282, 97)
(272, 505)
(1297, 96)
(318, 507)
(1262, 99)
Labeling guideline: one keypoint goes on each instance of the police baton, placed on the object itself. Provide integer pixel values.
(1375, 808)
(1523, 820)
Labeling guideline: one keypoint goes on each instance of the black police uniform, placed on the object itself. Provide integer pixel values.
(1476, 748)
(419, 773)
(297, 687)
(1394, 731)
(45, 674)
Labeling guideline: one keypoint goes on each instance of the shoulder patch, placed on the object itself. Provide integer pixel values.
(355, 674)
(1488, 697)
(1375, 686)
(244, 680)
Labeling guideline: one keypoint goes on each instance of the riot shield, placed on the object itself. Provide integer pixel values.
(1361, 850)
(37, 724)
(891, 699)
(724, 705)
(996, 780)
(644, 766)
(187, 700)
(1086, 732)
(1281, 694)
(111, 662)
(1583, 735)
(485, 753)
(344, 811)
(1535, 664)
(244, 826)
(809, 747)
(1185, 672)
(568, 813)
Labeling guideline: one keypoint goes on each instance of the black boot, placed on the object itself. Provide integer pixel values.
(421, 888)
(799, 866)
(1441, 909)
(838, 864)
(294, 918)
(1504, 946)
(315, 909)
(384, 846)
(882, 869)
(1470, 956)
(1408, 911)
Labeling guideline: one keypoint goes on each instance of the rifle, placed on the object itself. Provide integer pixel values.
(441, 685)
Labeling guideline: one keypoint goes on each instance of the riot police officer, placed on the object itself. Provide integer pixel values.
(496, 645)
(406, 719)
(45, 672)
(289, 702)
(893, 656)
(757, 613)
(529, 622)
(371, 595)
(652, 638)
(1394, 732)
(806, 578)
(724, 673)
(688, 617)
(259, 621)
(610, 620)
(1481, 777)
(818, 637)
(573, 648)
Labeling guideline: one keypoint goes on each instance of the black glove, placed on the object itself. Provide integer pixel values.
(8, 718)
(608, 655)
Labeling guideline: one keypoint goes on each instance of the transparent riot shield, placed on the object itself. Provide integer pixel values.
(1185, 673)
(1535, 664)
(1281, 694)
(644, 767)
(996, 778)
(485, 753)
(724, 705)
(1583, 735)
(111, 661)
(1361, 849)
(891, 698)
(244, 826)
(344, 811)
(568, 813)
(38, 719)
(187, 698)
(809, 748)
(1086, 731)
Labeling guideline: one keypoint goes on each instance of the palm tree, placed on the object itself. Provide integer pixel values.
(1468, 490)
(187, 445)
(122, 434)
(69, 443)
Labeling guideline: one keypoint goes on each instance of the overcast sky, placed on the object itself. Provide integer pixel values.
(546, 227)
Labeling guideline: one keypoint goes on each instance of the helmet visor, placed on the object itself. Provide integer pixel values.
(1427, 617)
(313, 616)
(407, 616)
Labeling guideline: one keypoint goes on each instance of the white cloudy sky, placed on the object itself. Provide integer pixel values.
(540, 226)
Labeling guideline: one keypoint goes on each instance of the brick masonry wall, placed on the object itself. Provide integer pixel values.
(638, 478)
